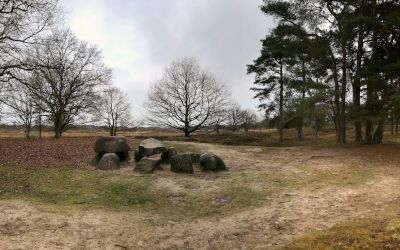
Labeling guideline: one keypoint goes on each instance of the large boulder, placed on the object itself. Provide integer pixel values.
(108, 161)
(151, 147)
(211, 162)
(166, 157)
(182, 164)
(195, 158)
(148, 164)
(112, 144)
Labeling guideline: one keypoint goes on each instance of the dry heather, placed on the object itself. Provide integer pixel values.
(294, 197)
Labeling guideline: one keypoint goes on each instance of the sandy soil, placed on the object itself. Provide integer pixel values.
(24, 225)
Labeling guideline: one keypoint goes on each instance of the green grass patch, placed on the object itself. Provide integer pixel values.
(67, 186)
(95, 189)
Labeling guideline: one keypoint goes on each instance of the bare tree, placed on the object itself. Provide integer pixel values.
(21, 104)
(234, 117)
(222, 118)
(115, 109)
(21, 21)
(67, 76)
(248, 119)
(186, 98)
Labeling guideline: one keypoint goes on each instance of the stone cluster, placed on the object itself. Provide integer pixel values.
(150, 155)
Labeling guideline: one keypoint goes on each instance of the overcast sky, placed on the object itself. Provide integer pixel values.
(140, 37)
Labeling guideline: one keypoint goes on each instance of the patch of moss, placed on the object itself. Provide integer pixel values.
(85, 187)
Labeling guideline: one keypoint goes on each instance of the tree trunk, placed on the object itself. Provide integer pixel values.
(392, 122)
(368, 122)
(368, 132)
(303, 98)
(397, 125)
(57, 133)
(357, 86)
(57, 127)
(300, 133)
(40, 126)
(111, 130)
(368, 126)
(337, 104)
(28, 131)
(281, 104)
(378, 135)
(343, 95)
(187, 133)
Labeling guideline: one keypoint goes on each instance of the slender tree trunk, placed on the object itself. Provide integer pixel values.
(303, 98)
(343, 95)
(334, 119)
(300, 133)
(28, 131)
(392, 122)
(357, 87)
(337, 104)
(115, 126)
(368, 123)
(40, 126)
(281, 104)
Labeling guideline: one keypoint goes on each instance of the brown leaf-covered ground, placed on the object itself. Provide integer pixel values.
(46, 152)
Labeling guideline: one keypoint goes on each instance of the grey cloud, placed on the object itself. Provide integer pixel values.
(223, 34)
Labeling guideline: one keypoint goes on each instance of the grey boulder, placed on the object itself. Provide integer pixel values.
(108, 161)
(182, 164)
(211, 162)
(111, 144)
(151, 147)
(147, 165)
(166, 157)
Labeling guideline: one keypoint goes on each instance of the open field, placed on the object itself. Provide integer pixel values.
(308, 196)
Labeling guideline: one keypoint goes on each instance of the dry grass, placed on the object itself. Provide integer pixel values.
(374, 232)
(324, 197)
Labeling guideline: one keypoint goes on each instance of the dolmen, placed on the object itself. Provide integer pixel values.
(152, 153)
(110, 151)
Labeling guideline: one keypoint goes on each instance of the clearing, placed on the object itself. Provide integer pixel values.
(272, 197)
